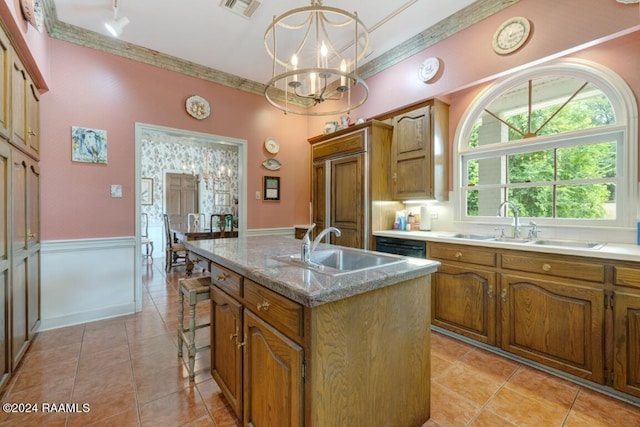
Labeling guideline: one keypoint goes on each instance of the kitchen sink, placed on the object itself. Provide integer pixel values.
(472, 236)
(512, 240)
(341, 261)
(576, 244)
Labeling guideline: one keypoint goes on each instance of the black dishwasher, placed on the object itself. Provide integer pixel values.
(406, 247)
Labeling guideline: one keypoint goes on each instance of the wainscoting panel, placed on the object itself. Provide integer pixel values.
(86, 280)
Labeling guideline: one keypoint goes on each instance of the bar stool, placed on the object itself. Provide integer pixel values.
(196, 290)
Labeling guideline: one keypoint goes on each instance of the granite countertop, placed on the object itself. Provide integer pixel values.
(254, 257)
(613, 251)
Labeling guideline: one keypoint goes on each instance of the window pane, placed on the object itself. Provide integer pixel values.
(486, 171)
(587, 161)
(535, 202)
(586, 201)
(531, 167)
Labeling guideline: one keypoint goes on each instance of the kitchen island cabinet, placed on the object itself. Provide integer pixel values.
(293, 346)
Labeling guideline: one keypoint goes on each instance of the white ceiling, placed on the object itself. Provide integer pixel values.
(203, 32)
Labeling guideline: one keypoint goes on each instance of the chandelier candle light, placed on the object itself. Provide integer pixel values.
(315, 52)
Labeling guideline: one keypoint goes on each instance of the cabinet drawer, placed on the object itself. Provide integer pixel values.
(555, 267)
(464, 254)
(226, 279)
(281, 312)
(627, 276)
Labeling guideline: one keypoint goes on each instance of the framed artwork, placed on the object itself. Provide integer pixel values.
(146, 191)
(271, 188)
(88, 145)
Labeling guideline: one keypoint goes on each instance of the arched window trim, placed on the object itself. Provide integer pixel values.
(624, 106)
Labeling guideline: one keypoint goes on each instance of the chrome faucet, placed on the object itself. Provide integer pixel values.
(308, 247)
(516, 219)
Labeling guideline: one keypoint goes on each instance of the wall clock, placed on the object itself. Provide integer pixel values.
(33, 13)
(428, 69)
(198, 107)
(511, 35)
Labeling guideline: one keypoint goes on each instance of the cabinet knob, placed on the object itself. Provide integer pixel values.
(263, 306)
(31, 235)
(31, 133)
(222, 277)
(546, 267)
(458, 255)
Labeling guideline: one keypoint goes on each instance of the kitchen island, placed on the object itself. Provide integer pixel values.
(295, 346)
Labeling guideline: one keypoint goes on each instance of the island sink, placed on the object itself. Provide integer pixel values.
(342, 261)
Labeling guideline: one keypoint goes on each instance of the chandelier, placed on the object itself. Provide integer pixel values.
(315, 52)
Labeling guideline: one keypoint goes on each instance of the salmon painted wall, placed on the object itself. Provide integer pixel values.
(93, 89)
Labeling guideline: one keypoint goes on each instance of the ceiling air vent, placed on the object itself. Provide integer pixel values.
(241, 7)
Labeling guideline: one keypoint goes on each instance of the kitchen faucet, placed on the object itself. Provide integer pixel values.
(308, 247)
(516, 220)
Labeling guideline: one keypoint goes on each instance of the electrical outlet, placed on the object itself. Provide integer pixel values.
(257, 195)
(434, 215)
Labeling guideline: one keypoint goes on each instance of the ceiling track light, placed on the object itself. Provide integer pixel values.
(115, 25)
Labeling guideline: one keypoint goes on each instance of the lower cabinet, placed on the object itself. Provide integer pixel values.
(579, 315)
(281, 364)
(553, 323)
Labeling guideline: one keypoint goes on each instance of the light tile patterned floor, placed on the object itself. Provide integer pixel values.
(127, 370)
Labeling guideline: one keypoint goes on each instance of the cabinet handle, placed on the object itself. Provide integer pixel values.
(234, 335)
(31, 133)
(31, 235)
(503, 294)
(222, 277)
(241, 344)
(490, 292)
(458, 255)
(263, 306)
(546, 267)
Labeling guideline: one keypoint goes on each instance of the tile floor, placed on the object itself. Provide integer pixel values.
(127, 370)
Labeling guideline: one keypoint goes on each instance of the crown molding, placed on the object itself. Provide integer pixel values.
(462, 19)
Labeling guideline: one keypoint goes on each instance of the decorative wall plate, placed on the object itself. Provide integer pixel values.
(271, 164)
(272, 145)
(511, 35)
(198, 107)
(33, 13)
(428, 69)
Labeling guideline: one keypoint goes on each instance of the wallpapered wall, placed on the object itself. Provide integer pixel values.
(161, 154)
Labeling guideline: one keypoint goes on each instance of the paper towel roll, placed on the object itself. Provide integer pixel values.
(425, 218)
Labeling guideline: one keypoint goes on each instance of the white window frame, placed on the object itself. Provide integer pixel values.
(625, 131)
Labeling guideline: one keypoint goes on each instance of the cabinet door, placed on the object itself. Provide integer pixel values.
(273, 376)
(19, 186)
(318, 196)
(18, 103)
(33, 119)
(463, 301)
(555, 323)
(5, 88)
(626, 365)
(412, 167)
(5, 343)
(347, 200)
(33, 248)
(226, 355)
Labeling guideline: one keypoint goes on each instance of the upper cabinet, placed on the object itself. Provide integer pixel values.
(419, 155)
(25, 102)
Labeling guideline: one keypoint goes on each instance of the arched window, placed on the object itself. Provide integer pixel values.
(559, 141)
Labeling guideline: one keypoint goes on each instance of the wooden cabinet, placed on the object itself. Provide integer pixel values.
(19, 209)
(281, 364)
(419, 163)
(258, 368)
(555, 323)
(463, 295)
(350, 170)
(626, 329)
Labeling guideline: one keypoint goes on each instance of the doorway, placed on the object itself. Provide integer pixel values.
(181, 198)
(182, 141)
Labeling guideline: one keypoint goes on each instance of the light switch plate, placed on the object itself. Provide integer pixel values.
(116, 190)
